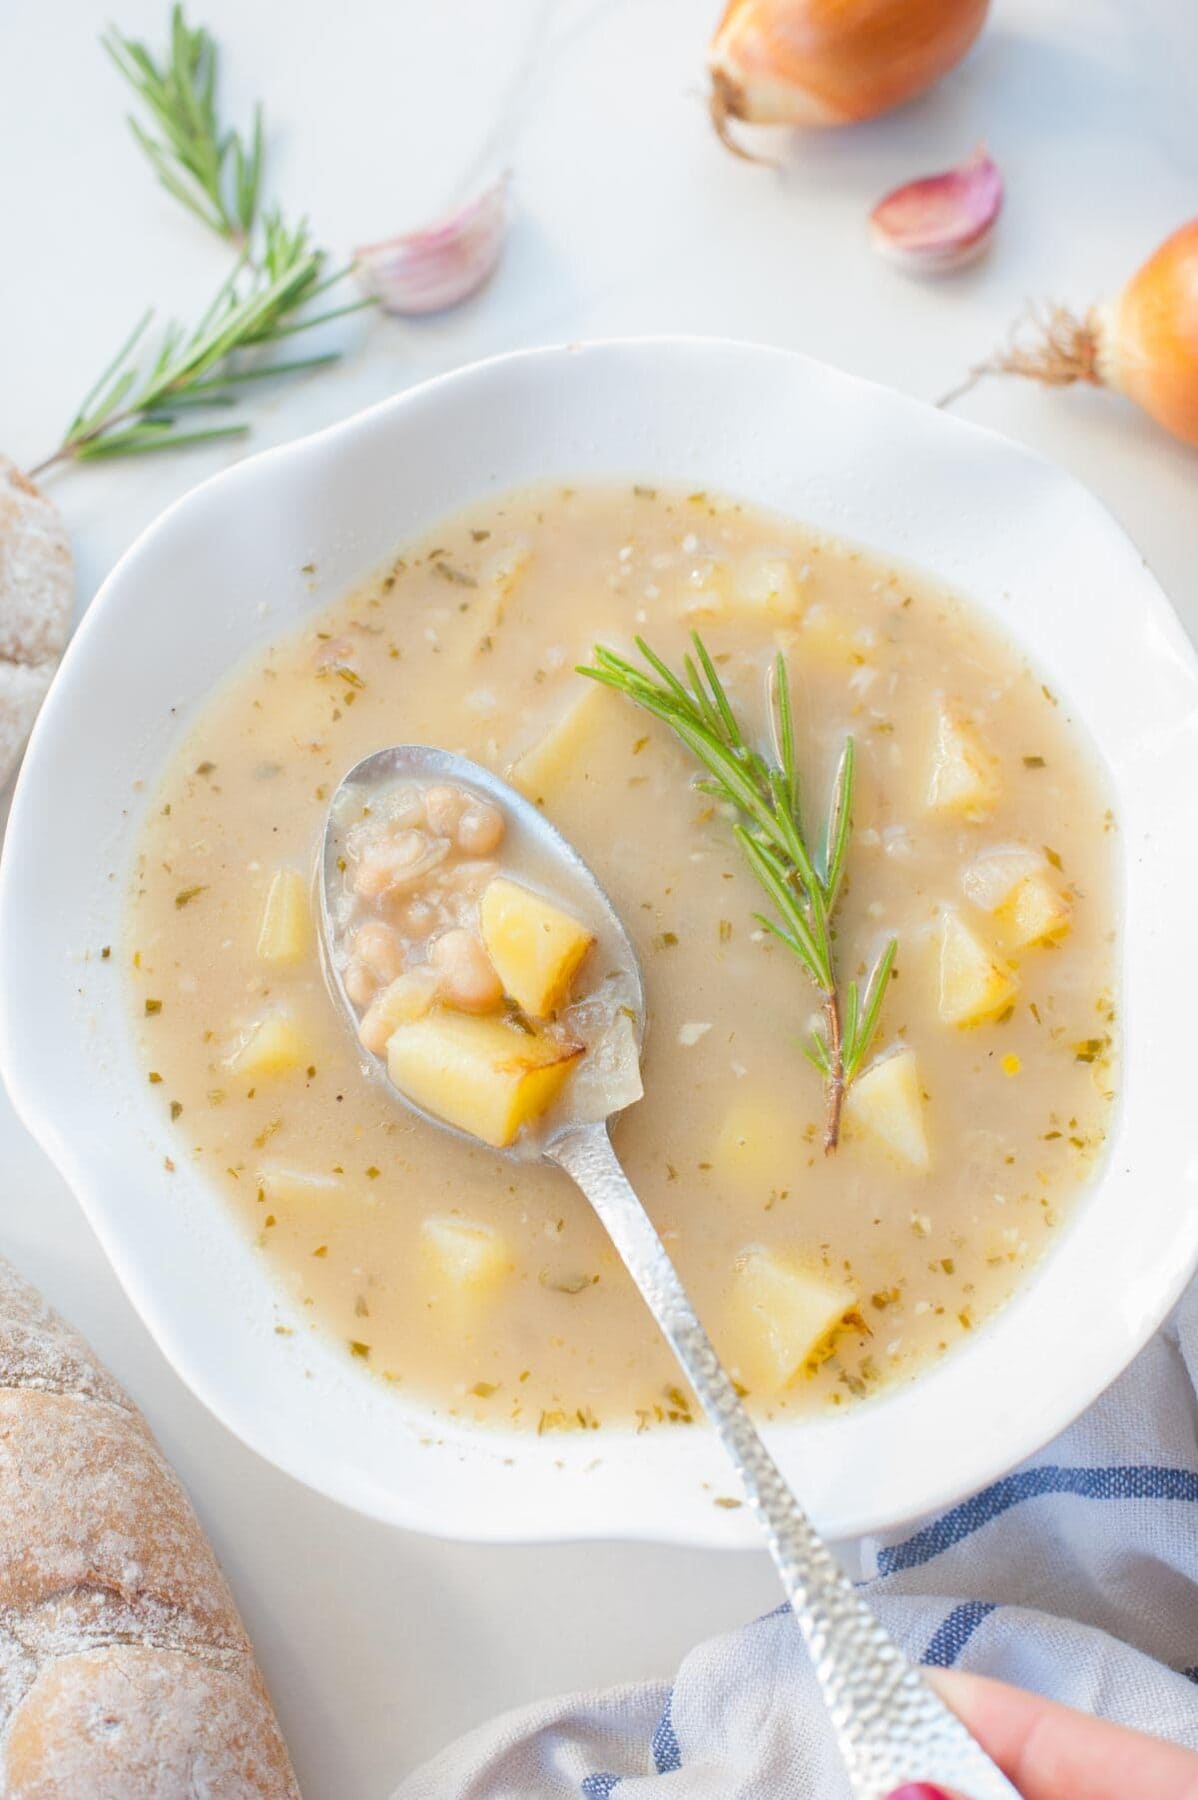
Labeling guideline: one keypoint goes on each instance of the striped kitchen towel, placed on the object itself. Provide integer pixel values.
(1076, 1576)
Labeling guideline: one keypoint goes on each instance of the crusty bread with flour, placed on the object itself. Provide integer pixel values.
(37, 581)
(125, 1673)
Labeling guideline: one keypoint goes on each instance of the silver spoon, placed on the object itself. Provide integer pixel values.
(890, 1724)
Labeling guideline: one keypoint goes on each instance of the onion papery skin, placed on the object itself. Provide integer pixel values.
(1148, 337)
(831, 62)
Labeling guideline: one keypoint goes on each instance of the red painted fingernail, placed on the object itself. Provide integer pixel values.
(918, 1790)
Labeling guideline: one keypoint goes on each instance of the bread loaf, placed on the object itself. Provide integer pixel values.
(37, 580)
(125, 1673)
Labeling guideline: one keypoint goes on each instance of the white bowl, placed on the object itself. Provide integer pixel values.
(222, 571)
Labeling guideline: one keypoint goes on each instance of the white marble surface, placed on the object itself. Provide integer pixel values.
(379, 1646)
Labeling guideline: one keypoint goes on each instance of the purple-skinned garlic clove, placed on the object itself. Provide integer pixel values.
(940, 222)
(443, 263)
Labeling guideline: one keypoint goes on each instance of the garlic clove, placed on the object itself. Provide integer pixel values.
(441, 264)
(940, 222)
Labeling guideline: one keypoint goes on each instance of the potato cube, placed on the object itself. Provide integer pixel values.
(464, 1255)
(1035, 912)
(887, 1102)
(408, 997)
(767, 584)
(503, 572)
(276, 1046)
(571, 744)
(974, 984)
(286, 931)
(763, 587)
(993, 876)
(826, 640)
(759, 1144)
(498, 582)
(964, 776)
(481, 1074)
(298, 1187)
(535, 947)
(783, 1318)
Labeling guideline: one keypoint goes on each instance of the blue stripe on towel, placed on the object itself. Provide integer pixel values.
(1134, 1482)
(955, 1631)
(666, 1754)
(1191, 1675)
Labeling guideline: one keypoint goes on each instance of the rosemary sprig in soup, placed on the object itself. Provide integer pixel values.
(802, 875)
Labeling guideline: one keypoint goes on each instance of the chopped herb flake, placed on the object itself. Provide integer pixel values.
(458, 576)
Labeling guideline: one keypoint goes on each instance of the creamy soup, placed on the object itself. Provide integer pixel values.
(980, 843)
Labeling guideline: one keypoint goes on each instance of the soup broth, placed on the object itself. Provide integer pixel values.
(981, 840)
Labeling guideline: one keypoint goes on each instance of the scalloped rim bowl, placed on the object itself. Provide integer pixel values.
(222, 572)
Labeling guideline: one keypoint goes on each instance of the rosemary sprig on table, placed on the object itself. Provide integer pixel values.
(137, 404)
(802, 877)
(210, 170)
(134, 407)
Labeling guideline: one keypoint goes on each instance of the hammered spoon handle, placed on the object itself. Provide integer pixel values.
(890, 1724)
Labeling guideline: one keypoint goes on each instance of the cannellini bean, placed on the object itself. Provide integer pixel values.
(375, 1028)
(405, 806)
(418, 916)
(471, 877)
(480, 829)
(407, 847)
(407, 998)
(468, 981)
(397, 862)
(377, 946)
(381, 859)
(360, 985)
(443, 807)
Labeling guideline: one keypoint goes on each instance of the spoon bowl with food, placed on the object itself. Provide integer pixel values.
(492, 984)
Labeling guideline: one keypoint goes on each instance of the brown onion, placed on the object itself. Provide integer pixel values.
(1144, 343)
(829, 62)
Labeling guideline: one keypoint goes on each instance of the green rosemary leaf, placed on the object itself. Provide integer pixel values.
(306, 324)
(673, 685)
(248, 180)
(209, 170)
(215, 385)
(731, 728)
(96, 398)
(771, 875)
(784, 725)
(862, 1036)
(187, 398)
(848, 1025)
(840, 821)
(139, 439)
